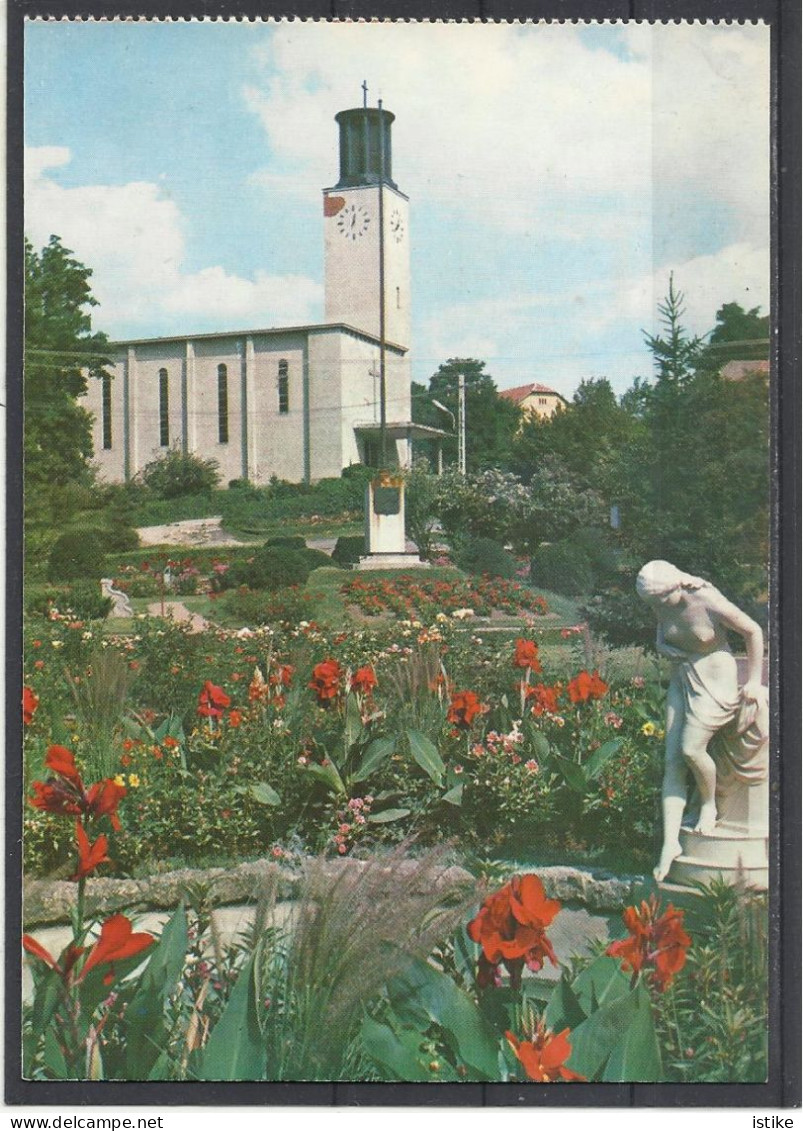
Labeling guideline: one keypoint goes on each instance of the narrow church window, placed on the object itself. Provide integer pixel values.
(222, 404)
(107, 411)
(284, 388)
(398, 298)
(164, 415)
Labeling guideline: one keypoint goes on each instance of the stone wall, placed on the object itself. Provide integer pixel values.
(51, 901)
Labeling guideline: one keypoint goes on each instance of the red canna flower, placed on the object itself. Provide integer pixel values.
(235, 718)
(282, 675)
(62, 762)
(56, 797)
(117, 941)
(67, 961)
(464, 708)
(364, 680)
(325, 681)
(510, 927)
(212, 701)
(102, 801)
(657, 943)
(89, 855)
(543, 1058)
(586, 686)
(29, 704)
(527, 655)
(545, 699)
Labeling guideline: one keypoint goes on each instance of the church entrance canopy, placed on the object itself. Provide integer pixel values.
(368, 435)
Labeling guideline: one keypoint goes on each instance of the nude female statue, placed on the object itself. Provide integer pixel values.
(704, 694)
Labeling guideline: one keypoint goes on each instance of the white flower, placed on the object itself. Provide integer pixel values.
(462, 614)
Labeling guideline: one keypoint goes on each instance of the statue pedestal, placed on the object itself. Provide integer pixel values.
(385, 539)
(738, 848)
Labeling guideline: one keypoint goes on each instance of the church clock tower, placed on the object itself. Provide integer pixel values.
(365, 266)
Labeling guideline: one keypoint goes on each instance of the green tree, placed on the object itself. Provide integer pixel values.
(696, 488)
(61, 352)
(584, 439)
(739, 335)
(734, 324)
(491, 421)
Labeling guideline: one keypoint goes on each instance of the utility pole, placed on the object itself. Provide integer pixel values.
(461, 423)
(382, 393)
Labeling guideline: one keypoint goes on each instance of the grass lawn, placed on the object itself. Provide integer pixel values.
(312, 529)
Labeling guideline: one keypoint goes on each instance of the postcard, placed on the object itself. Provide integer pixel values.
(398, 551)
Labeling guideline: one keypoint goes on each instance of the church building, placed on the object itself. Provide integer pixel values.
(297, 402)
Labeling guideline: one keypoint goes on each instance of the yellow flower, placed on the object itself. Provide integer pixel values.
(119, 780)
(133, 780)
(649, 729)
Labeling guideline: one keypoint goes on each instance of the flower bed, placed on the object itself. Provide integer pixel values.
(411, 596)
(230, 743)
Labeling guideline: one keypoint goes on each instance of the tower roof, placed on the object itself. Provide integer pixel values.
(365, 147)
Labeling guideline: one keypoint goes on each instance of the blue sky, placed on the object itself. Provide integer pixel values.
(557, 175)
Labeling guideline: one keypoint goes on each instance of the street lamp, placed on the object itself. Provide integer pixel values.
(448, 411)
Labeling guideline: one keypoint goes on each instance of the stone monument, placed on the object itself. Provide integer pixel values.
(385, 539)
(717, 733)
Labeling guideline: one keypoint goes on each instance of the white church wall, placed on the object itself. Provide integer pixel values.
(277, 438)
(108, 462)
(326, 352)
(146, 361)
(204, 417)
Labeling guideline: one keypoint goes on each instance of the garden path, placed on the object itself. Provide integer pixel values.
(188, 532)
(175, 610)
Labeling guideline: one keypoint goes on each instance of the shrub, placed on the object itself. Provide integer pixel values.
(87, 602)
(348, 550)
(316, 558)
(83, 597)
(485, 556)
(272, 567)
(488, 505)
(562, 567)
(421, 508)
(289, 541)
(120, 539)
(618, 615)
(180, 473)
(603, 557)
(78, 554)
(248, 607)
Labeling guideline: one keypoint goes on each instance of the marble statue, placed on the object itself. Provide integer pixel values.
(121, 605)
(704, 700)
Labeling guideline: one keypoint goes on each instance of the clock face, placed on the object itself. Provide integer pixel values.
(396, 225)
(353, 221)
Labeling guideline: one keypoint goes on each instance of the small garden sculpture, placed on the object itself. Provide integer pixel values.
(704, 701)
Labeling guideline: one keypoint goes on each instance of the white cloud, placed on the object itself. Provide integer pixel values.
(533, 124)
(134, 238)
(737, 273)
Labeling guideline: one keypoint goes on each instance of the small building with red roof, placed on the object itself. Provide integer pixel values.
(535, 399)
